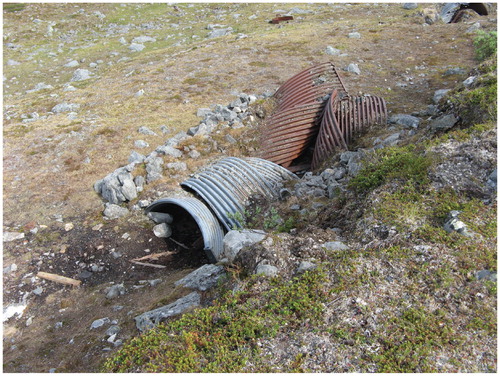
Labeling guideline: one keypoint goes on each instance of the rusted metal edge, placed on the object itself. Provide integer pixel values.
(227, 185)
(277, 20)
(209, 226)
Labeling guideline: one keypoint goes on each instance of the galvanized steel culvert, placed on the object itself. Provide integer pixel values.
(180, 208)
(227, 185)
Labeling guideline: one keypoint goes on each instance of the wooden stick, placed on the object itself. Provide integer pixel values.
(154, 256)
(147, 264)
(59, 279)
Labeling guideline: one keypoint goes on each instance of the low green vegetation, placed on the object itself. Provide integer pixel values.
(223, 337)
(485, 44)
(404, 164)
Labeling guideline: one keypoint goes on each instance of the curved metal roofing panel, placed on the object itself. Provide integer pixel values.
(209, 226)
(227, 185)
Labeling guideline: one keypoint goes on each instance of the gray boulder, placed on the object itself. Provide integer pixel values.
(136, 157)
(216, 33)
(81, 75)
(202, 278)
(146, 131)
(354, 35)
(454, 71)
(143, 39)
(113, 211)
(267, 270)
(65, 107)
(169, 150)
(335, 246)
(118, 186)
(150, 319)
(332, 51)
(154, 169)
(141, 144)
(438, 94)
(353, 68)
(443, 123)
(177, 166)
(136, 47)
(115, 291)
(161, 217)
(454, 224)
(72, 64)
(407, 121)
(162, 230)
(9, 236)
(305, 266)
(235, 240)
(492, 180)
(410, 6)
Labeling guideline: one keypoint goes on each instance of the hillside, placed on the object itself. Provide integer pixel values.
(396, 237)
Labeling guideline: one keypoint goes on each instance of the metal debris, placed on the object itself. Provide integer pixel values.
(279, 19)
(314, 109)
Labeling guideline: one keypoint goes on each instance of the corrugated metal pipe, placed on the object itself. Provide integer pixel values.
(222, 191)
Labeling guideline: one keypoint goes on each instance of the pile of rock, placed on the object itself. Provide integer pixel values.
(121, 186)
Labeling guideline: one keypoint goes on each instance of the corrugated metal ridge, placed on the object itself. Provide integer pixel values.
(309, 85)
(209, 226)
(342, 118)
(227, 185)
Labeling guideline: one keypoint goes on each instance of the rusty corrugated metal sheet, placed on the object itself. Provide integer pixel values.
(209, 226)
(310, 85)
(227, 185)
(295, 122)
(342, 118)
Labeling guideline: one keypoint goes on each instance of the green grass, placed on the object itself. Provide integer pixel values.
(405, 164)
(222, 338)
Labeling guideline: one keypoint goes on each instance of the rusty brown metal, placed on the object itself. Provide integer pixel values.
(342, 118)
(295, 123)
(279, 19)
(313, 109)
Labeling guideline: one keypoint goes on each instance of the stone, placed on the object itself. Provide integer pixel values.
(473, 28)
(443, 123)
(454, 71)
(305, 266)
(11, 62)
(113, 211)
(69, 226)
(353, 68)
(194, 154)
(122, 40)
(112, 330)
(438, 94)
(10, 269)
(354, 35)
(486, 275)
(216, 33)
(40, 86)
(162, 230)
(203, 112)
(38, 291)
(136, 47)
(492, 180)
(332, 51)
(139, 93)
(115, 291)
(85, 274)
(72, 64)
(169, 150)
(141, 144)
(9, 236)
(143, 39)
(454, 224)
(81, 75)
(146, 131)
(139, 182)
(469, 81)
(65, 107)
(410, 6)
(161, 217)
(99, 322)
(235, 240)
(230, 139)
(202, 278)
(335, 246)
(407, 121)
(136, 157)
(177, 166)
(150, 319)
(267, 270)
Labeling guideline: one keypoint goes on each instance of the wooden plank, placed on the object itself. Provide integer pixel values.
(59, 279)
